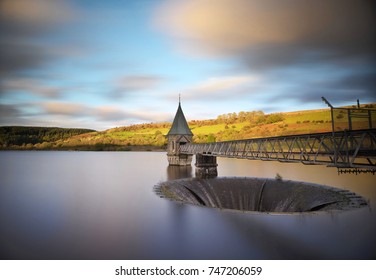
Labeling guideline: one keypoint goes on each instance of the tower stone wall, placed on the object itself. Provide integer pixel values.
(173, 150)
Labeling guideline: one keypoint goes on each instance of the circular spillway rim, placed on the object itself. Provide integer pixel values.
(170, 190)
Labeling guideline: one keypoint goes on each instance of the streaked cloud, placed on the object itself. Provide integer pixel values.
(292, 44)
(227, 87)
(272, 32)
(65, 108)
(100, 64)
(110, 113)
(104, 113)
(8, 112)
(36, 11)
(146, 115)
(135, 83)
(116, 114)
(21, 22)
(31, 86)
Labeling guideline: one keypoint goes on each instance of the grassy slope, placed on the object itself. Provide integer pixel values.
(149, 136)
(206, 131)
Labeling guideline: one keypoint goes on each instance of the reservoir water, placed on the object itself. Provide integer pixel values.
(101, 205)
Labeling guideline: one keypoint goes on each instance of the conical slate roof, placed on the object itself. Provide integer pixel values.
(180, 125)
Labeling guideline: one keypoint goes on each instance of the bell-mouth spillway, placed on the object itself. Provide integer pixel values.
(259, 194)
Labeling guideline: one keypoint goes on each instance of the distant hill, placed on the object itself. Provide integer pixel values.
(29, 136)
(151, 136)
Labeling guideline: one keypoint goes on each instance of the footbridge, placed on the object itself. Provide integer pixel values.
(350, 145)
(354, 150)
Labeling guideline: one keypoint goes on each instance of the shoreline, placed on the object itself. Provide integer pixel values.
(94, 148)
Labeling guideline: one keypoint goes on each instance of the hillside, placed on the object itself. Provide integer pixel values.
(29, 137)
(151, 136)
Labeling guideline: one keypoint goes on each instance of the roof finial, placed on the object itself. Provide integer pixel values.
(179, 98)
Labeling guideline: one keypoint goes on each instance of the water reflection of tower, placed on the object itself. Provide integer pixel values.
(178, 172)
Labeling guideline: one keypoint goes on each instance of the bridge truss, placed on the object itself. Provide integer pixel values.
(344, 149)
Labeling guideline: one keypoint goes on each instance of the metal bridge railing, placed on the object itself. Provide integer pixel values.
(345, 149)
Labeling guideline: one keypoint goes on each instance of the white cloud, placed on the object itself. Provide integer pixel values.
(223, 83)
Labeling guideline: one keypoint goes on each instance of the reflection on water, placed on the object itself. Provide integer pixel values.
(101, 205)
(179, 172)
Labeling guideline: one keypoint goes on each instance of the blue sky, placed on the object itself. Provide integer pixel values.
(103, 64)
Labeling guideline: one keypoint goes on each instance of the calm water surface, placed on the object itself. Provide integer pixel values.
(101, 205)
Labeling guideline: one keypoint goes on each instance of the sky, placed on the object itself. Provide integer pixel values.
(104, 64)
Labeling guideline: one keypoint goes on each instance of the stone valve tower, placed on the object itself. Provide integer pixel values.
(179, 135)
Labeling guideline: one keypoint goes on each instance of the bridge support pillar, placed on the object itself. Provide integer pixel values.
(206, 166)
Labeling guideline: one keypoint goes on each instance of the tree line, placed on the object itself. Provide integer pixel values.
(252, 117)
